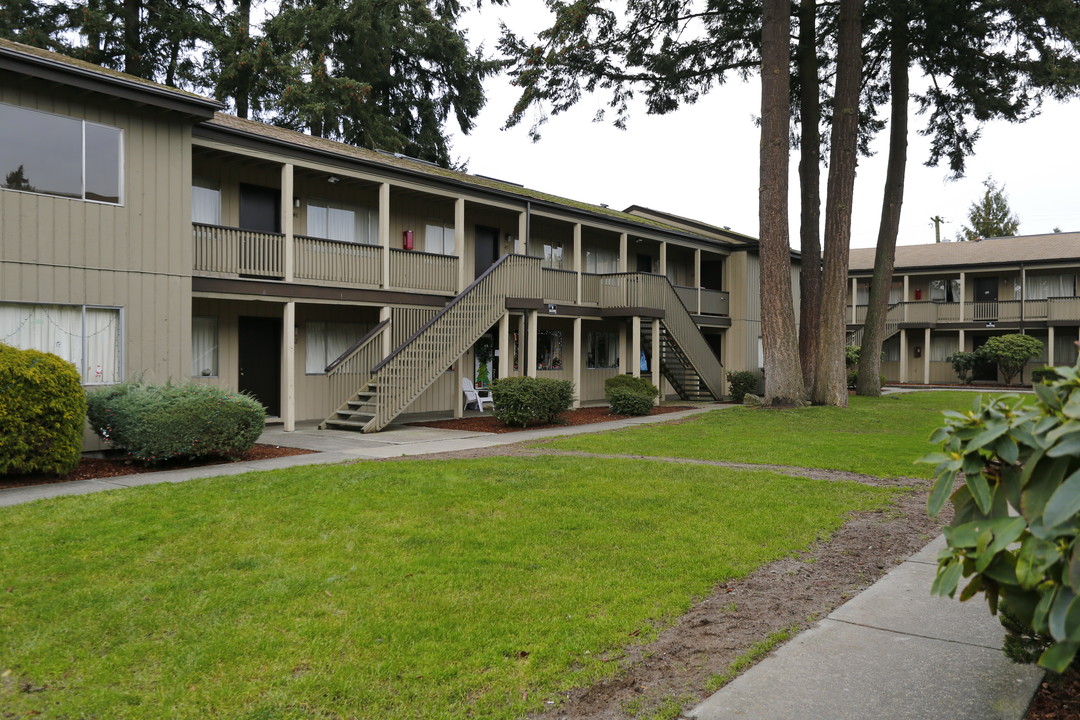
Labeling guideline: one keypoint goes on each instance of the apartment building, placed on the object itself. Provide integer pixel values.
(143, 233)
(953, 296)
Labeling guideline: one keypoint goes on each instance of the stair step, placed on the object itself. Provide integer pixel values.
(347, 424)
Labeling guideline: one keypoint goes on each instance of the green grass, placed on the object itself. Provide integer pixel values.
(747, 659)
(876, 436)
(412, 589)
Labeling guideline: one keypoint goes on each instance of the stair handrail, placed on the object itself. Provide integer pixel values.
(356, 347)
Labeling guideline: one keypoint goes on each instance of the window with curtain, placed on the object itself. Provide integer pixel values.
(1065, 349)
(325, 341)
(53, 154)
(549, 350)
(942, 290)
(205, 202)
(204, 346)
(345, 223)
(890, 349)
(1041, 287)
(1043, 355)
(862, 292)
(941, 347)
(603, 350)
(896, 292)
(438, 238)
(601, 261)
(88, 337)
(550, 254)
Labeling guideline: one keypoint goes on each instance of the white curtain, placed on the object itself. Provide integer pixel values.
(205, 202)
(204, 346)
(601, 261)
(325, 341)
(64, 330)
(438, 239)
(1041, 287)
(1065, 349)
(890, 349)
(942, 346)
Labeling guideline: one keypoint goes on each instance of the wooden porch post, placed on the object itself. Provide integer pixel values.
(697, 277)
(577, 262)
(384, 233)
(926, 356)
(635, 346)
(287, 218)
(459, 245)
(655, 364)
(523, 231)
(623, 242)
(505, 351)
(576, 362)
(963, 293)
(1050, 345)
(903, 357)
(385, 314)
(530, 361)
(288, 369)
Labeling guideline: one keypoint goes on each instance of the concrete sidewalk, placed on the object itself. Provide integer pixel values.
(336, 446)
(891, 652)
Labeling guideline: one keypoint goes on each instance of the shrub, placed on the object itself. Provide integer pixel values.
(964, 364)
(639, 385)
(521, 400)
(1011, 353)
(630, 402)
(42, 413)
(740, 383)
(851, 355)
(1044, 375)
(853, 379)
(1016, 526)
(160, 422)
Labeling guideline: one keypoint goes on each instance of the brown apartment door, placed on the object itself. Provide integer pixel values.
(487, 248)
(260, 361)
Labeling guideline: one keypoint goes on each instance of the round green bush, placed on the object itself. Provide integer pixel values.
(630, 402)
(42, 413)
(153, 423)
(640, 385)
(521, 400)
(740, 383)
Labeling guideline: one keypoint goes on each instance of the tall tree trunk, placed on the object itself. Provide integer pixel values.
(876, 311)
(243, 71)
(133, 51)
(783, 375)
(809, 184)
(830, 379)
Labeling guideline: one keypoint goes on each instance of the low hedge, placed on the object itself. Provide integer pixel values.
(521, 400)
(638, 385)
(740, 383)
(42, 413)
(624, 401)
(153, 423)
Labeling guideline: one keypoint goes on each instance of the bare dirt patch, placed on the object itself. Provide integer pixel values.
(115, 464)
(582, 416)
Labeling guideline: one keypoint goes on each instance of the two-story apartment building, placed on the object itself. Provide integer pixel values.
(145, 234)
(947, 297)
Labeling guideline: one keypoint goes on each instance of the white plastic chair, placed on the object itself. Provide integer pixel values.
(474, 396)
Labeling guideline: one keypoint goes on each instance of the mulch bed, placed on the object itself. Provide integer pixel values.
(582, 416)
(1058, 698)
(116, 463)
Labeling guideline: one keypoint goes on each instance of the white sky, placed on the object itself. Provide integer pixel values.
(702, 161)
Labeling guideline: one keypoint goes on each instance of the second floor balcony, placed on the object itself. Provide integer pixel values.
(1054, 309)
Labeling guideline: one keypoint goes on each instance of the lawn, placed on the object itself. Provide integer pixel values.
(876, 436)
(406, 589)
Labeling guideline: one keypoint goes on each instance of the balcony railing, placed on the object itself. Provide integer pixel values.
(713, 302)
(560, 285)
(241, 252)
(1053, 309)
(415, 270)
(334, 261)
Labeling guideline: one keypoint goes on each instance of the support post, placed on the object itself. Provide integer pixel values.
(623, 243)
(655, 364)
(384, 232)
(903, 357)
(287, 219)
(963, 294)
(505, 351)
(907, 297)
(459, 243)
(635, 345)
(288, 365)
(459, 396)
(854, 301)
(624, 350)
(576, 362)
(663, 258)
(521, 345)
(577, 262)
(530, 363)
(697, 277)
(1050, 345)
(385, 314)
(523, 231)
(926, 356)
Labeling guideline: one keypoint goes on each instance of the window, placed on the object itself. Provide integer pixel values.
(57, 155)
(603, 350)
(1041, 287)
(945, 290)
(88, 337)
(335, 221)
(438, 238)
(549, 354)
(601, 261)
(325, 341)
(1065, 349)
(890, 349)
(204, 346)
(942, 346)
(550, 254)
(205, 202)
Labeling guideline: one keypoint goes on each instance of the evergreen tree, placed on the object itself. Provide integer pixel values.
(990, 216)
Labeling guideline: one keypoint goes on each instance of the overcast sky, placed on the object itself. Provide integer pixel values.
(702, 160)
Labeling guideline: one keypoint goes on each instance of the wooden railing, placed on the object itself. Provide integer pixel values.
(235, 251)
(1063, 309)
(423, 358)
(335, 261)
(560, 285)
(415, 270)
(713, 302)
(352, 370)
(591, 285)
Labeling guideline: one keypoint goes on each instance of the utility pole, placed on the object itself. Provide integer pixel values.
(937, 220)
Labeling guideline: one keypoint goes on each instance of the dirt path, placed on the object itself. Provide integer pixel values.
(674, 671)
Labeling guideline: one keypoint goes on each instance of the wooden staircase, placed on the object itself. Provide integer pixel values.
(677, 369)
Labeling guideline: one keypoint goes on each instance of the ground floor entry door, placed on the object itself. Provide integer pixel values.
(260, 361)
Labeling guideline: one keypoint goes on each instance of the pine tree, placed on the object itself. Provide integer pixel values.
(990, 216)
